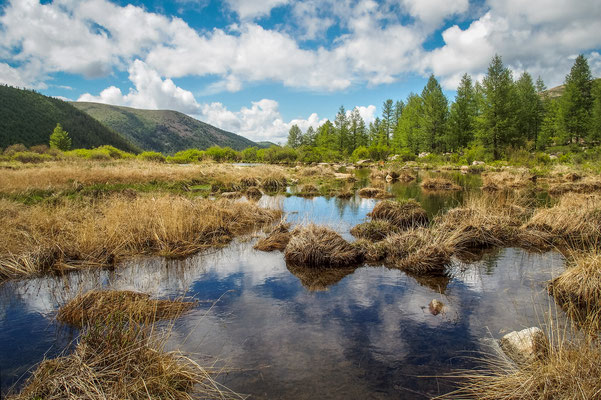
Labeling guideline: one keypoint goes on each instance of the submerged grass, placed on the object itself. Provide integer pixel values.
(70, 235)
(320, 247)
(95, 306)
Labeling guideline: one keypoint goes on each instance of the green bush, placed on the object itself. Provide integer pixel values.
(360, 153)
(151, 156)
(14, 148)
(379, 153)
(407, 155)
(250, 154)
(30, 157)
(186, 156)
(220, 154)
(114, 152)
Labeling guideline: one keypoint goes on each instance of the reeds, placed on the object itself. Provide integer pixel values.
(403, 215)
(277, 239)
(320, 247)
(70, 235)
(95, 306)
(585, 185)
(436, 184)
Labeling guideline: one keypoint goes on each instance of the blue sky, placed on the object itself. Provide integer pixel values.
(257, 67)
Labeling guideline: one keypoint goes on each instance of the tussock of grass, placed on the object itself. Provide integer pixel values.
(320, 247)
(97, 305)
(344, 194)
(231, 195)
(374, 193)
(586, 185)
(253, 193)
(374, 230)
(419, 251)
(308, 190)
(276, 240)
(373, 253)
(571, 371)
(121, 358)
(274, 183)
(70, 235)
(578, 289)
(435, 184)
(404, 215)
(576, 220)
(504, 180)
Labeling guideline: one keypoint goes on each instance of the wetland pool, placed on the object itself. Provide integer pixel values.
(364, 333)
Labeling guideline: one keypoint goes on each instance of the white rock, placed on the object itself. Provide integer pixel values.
(525, 345)
(436, 307)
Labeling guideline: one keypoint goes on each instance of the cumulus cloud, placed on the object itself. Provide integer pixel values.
(433, 12)
(253, 8)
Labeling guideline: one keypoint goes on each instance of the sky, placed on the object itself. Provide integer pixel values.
(258, 67)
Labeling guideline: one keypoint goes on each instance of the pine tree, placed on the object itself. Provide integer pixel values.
(542, 105)
(356, 130)
(398, 111)
(577, 101)
(407, 134)
(295, 136)
(309, 137)
(496, 123)
(59, 139)
(387, 121)
(326, 136)
(528, 103)
(595, 126)
(462, 116)
(551, 126)
(435, 115)
(342, 130)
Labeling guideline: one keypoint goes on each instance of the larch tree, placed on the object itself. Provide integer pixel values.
(295, 136)
(462, 116)
(528, 100)
(59, 139)
(435, 112)
(577, 100)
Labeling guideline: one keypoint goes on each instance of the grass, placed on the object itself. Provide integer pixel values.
(70, 235)
(403, 215)
(253, 193)
(436, 184)
(308, 190)
(94, 306)
(320, 247)
(277, 239)
(121, 357)
(585, 185)
(374, 193)
(505, 180)
(375, 230)
(419, 251)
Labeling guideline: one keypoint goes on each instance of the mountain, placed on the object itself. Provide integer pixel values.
(558, 91)
(266, 145)
(162, 130)
(29, 118)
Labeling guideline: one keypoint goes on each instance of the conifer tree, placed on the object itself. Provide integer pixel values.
(462, 116)
(435, 109)
(577, 101)
(528, 104)
(387, 121)
(59, 139)
(295, 136)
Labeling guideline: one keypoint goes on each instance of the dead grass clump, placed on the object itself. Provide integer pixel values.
(406, 177)
(274, 183)
(419, 251)
(345, 194)
(374, 193)
(586, 185)
(434, 184)
(373, 253)
(404, 215)
(120, 358)
(308, 190)
(319, 279)
(320, 247)
(576, 220)
(276, 240)
(578, 289)
(231, 195)
(71, 235)
(571, 371)
(493, 181)
(375, 230)
(249, 181)
(96, 305)
(253, 193)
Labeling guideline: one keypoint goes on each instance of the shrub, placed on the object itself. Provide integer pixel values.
(40, 149)
(186, 156)
(14, 148)
(360, 153)
(30, 157)
(151, 156)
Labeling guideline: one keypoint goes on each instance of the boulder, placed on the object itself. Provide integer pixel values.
(436, 307)
(525, 345)
(478, 163)
(362, 162)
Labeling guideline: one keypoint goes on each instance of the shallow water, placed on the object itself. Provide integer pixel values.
(364, 333)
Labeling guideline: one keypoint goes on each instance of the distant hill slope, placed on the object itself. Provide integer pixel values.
(29, 118)
(162, 130)
(558, 91)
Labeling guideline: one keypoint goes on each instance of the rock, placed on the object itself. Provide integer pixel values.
(525, 345)
(436, 307)
(478, 163)
(553, 156)
(422, 155)
(362, 162)
(346, 177)
(393, 157)
(465, 169)
(389, 178)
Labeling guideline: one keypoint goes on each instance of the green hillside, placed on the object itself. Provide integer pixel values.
(28, 117)
(162, 130)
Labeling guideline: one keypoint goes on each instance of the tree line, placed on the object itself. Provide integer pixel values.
(499, 115)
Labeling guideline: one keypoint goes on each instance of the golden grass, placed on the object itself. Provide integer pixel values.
(404, 215)
(121, 358)
(585, 185)
(493, 181)
(70, 235)
(571, 371)
(308, 190)
(373, 253)
(277, 239)
(320, 247)
(375, 230)
(575, 220)
(435, 184)
(578, 289)
(419, 251)
(253, 193)
(374, 193)
(95, 306)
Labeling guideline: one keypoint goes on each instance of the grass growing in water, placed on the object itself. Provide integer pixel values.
(277, 239)
(403, 215)
(434, 184)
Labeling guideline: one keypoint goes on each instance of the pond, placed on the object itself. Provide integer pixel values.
(364, 333)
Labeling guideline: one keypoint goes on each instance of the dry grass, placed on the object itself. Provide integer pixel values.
(97, 305)
(585, 185)
(70, 235)
(373, 253)
(374, 193)
(404, 215)
(277, 239)
(419, 251)
(120, 358)
(319, 279)
(308, 190)
(574, 220)
(571, 371)
(578, 289)
(436, 184)
(493, 181)
(253, 193)
(320, 247)
(375, 230)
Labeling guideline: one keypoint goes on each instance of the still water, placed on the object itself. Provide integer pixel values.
(360, 334)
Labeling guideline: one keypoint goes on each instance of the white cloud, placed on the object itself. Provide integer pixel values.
(150, 92)
(253, 8)
(433, 12)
